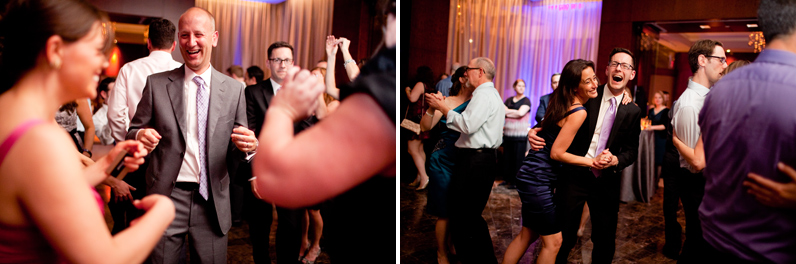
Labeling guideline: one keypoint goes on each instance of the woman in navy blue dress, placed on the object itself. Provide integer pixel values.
(536, 178)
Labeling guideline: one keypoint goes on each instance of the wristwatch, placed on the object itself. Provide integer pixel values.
(89, 152)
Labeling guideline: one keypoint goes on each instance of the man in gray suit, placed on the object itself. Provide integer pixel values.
(185, 119)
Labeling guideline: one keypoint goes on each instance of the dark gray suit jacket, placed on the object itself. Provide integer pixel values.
(162, 108)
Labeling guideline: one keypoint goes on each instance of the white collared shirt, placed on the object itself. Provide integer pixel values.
(606, 102)
(189, 170)
(481, 124)
(685, 117)
(275, 85)
(125, 95)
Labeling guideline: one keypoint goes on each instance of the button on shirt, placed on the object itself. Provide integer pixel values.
(481, 124)
(606, 102)
(748, 125)
(189, 170)
(685, 116)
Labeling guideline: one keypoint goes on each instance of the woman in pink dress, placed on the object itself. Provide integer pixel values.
(53, 52)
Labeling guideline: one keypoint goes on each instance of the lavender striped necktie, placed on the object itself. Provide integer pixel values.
(605, 131)
(202, 100)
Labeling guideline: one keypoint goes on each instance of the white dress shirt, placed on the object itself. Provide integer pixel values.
(481, 123)
(124, 97)
(606, 102)
(189, 170)
(275, 85)
(685, 117)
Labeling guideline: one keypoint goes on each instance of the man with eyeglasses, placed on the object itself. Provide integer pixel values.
(481, 128)
(257, 212)
(707, 61)
(612, 128)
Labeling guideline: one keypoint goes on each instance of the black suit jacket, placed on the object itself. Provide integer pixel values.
(162, 108)
(623, 141)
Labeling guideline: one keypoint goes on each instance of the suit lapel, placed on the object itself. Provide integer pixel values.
(217, 102)
(268, 92)
(176, 95)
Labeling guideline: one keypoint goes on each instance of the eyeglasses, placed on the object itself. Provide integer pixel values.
(591, 80)
(279, 61)
(722, 59)
(623, 65)
(468, 69)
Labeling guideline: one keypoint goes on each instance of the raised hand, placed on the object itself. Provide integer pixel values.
(331, 46)
(149, 137)
(136, 149)
(298, 96)
(244, 139)
(344, 43)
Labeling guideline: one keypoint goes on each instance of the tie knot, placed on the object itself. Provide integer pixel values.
(613, 101)
(199, 81)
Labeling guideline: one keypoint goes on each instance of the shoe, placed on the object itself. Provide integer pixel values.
(416, 182)
(314, 257)
(423, 185)
(671, 252)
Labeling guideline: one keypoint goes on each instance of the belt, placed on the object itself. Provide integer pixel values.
(188, 186)
(480, 150)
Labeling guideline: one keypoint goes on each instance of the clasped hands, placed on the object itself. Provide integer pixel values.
(603, 160)
(435, 101)
(332, 45)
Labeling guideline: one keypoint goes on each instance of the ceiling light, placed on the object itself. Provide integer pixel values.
(704, 26)
(728, 50)
(751, 25)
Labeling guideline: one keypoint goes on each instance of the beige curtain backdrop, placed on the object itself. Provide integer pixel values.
(525, 39)
(248, 28)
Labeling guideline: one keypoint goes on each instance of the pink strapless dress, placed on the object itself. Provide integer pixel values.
(27, 244)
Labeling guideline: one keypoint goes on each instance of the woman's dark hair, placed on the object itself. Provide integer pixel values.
(27, 24)
(457, 86)
(562, 98)
(424, 75)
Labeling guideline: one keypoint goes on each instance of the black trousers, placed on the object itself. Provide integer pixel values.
(470, 186)
(513, 154)
(124, 212)
(671, 204)
(691, 189)
(259, 215)
(577, 186)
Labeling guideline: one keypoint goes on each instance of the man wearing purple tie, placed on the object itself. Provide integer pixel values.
(185, 119)
(611, 127)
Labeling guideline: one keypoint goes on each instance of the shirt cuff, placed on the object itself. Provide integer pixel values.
(250, 155)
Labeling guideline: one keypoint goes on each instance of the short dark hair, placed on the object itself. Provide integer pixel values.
(235, 69)
(26, 26)
(623, 50)
(256, 73)
(161, 33)
(702, 47)
(777, 18)
(103, 85)
(279, 44)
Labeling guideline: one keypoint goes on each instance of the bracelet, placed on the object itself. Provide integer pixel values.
(431, 115)
(347, 62)
(89, 152)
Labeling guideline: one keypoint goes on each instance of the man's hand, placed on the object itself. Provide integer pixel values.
(331, 46)
(602, 160)
(772, 193)
(244, 139)
(435, 101)
(537, 142)
(149, 137)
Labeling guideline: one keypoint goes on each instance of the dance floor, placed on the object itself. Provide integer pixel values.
(639, 238)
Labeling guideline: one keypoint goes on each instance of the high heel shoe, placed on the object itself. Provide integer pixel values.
(423, 185)
(314, 257)
(415, 183)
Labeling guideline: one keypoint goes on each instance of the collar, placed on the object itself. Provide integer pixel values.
(701, 90)
(160, 54)
(189, 74)
(275, 85)
(777, 56)
(485, 85)
(607, 95)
